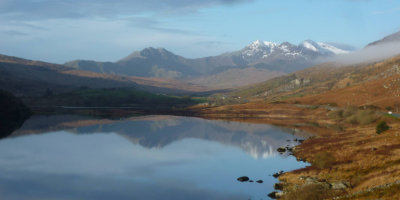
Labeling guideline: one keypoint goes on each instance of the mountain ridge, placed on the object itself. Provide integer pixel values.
(263, 55)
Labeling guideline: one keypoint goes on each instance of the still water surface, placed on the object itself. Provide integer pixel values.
(151, 157)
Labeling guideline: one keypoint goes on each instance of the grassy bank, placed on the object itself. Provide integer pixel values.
(347, 154)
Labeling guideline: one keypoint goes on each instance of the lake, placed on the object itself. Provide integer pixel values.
(145, 157)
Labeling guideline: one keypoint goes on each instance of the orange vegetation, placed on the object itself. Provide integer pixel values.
(367, 163)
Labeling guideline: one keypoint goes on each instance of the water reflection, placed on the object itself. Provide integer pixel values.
(258, 140)
(151, 157)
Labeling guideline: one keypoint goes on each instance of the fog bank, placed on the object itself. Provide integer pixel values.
(368, 54)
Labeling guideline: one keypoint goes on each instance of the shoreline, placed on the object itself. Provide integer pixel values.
(363, 164)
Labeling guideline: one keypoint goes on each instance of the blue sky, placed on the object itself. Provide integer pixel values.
(63, 30)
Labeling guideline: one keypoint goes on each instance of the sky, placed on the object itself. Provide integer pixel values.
(62, 30)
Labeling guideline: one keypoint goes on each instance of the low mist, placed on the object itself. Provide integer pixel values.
(368, 54)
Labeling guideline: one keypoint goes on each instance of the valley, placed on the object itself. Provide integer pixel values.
(351, 109)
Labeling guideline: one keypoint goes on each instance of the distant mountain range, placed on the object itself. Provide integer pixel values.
(148, 69)
(260, 60)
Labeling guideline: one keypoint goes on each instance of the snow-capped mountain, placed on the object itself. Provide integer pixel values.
(307, 49)
(257, 58)
(322, 48)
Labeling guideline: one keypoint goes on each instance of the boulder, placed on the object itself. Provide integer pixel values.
(275, 195)
(243, 179)
(339, 185)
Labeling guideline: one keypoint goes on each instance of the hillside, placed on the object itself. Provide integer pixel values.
(393, 38)
(374, 85)
(344, 107)
(33, 78)
(364, 84)
(234, 78)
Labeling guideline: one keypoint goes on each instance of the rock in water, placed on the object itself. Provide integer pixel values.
(272, 195)
(243, 179)
(275, 195)
(281, 150)
(260, 181)
(276, 175)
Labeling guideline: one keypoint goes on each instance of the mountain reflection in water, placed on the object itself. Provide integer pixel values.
(258, 140)
(148, 157)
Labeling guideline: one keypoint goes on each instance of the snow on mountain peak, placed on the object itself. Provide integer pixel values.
(332, 48)
(259, 48)
(322, 48)
(309, 44)
(261, 44)
(263, 49)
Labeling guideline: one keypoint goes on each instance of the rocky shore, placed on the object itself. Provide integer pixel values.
(348, 161)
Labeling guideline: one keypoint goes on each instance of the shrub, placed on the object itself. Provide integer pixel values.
(323, 160)
(381, 127)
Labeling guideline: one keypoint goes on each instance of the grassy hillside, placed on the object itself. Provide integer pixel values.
(234, 78)
(33, 78)
(375, 84)
(356, 143)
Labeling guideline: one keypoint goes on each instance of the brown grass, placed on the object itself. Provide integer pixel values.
(323, 160)
(310, 192)
(363, 158)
